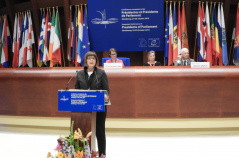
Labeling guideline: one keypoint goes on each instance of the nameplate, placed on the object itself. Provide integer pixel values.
(113, 65)
(200, 64)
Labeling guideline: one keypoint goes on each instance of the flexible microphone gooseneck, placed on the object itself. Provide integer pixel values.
(71, 79)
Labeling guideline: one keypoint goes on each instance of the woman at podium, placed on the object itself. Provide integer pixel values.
(92, 78)
(151, 59)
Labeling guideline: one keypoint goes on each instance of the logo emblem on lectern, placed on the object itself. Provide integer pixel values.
(99, 107)
(64, 98)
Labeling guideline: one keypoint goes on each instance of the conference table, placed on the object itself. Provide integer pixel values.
(135, 92)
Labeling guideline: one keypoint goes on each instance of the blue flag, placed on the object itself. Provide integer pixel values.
(166, 38)
(85, 42)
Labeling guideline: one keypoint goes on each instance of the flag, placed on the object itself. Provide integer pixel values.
(224, 39)
(42, 41)
(14, 37)
(216, 36)
(30, 41)
(47, 37)
(179, 30)
(219, 25)
(175, 34)
(1, 42)
(56, 53)
(208, 45)
(213, 37)
(80, 35)
(52, 38)
(200, 42)
(184, 30)
(166, 36)
(26, 24)
(74, 37)
(170, 47)
(86, 41)
(236, 40)
(21, 46)
(6, 41)
(203, 31)
(15, 42)
(70, 24)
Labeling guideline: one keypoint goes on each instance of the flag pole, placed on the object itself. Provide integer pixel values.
(62, 50)
(196, 33)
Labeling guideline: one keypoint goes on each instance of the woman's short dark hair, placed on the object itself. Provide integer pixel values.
(91, 53)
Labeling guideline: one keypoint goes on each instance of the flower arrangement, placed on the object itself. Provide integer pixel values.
(73, 146)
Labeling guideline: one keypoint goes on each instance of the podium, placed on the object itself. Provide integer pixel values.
(83, 105)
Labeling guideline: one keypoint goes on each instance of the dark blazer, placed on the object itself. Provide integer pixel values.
(97, 81)
(156, 64)
(180, 62)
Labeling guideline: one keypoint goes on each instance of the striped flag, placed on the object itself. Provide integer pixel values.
(51, 38)
(179, 30)
(47, 37)
(80, 35)
(208, 37)
(56, 54)
(175, 34)
(219, 27)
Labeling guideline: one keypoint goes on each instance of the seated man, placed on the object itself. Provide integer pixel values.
(183, 58)
(113, 55)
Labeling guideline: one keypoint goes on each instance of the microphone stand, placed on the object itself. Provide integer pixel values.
(71, 79)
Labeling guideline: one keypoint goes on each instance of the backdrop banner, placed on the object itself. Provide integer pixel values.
(126, 25)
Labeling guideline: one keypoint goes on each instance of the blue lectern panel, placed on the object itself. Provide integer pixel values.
(81, 101)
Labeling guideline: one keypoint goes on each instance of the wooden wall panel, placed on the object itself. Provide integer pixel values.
(135, 92)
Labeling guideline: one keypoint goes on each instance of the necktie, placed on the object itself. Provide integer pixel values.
(184, 63)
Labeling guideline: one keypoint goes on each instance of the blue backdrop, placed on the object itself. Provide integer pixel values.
(126, 25)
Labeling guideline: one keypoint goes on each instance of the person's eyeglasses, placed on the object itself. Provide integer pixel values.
(91, 58)
(112, 54)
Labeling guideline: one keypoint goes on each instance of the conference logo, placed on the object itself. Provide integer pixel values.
(103, 20)
(64, 98)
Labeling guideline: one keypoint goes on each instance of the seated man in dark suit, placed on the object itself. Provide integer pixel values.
(183, 58)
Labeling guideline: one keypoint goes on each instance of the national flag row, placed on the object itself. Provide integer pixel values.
(211, 34)
(176, 36)
(78, 36)
(23, 40)
(5, 41)
(49, 44)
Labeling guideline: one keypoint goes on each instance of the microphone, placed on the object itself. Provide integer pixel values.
(71, 79)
